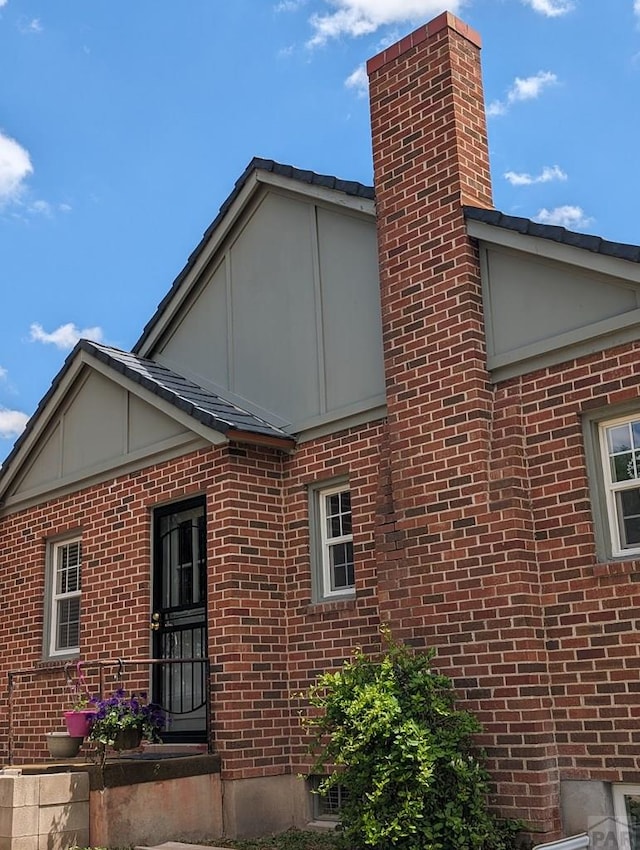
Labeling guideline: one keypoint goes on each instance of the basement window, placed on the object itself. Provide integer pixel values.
(327, 806)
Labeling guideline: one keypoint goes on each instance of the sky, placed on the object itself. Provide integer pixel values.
(124, 125)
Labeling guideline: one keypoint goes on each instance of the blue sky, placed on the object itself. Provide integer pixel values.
(124, 125)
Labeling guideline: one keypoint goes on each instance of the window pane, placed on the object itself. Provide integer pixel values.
(334, 526)
(338, 509)
(619, 439)
(341, 561)
(628, 506)
(68, 632)
(622, 467)
(68, 568)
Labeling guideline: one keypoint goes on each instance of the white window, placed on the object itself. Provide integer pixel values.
(626, 807)
(334, 541)
(620, 448)
(64, 615)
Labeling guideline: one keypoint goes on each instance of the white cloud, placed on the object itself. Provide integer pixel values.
(64, 337)
(3, 3)
(568, 216)
(548, 173)
(41, 208)
(636, 7)
(12, 422)
(358, 81)
(3, 373)
(527, 88)
(530, 87)
(289, 5)
(15, 167)
(552, 8)
(496, 107)
(361, 17)
(26, 27)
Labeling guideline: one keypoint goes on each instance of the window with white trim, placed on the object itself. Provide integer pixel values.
(332, 541)
(620, 448)
(64, 611)
(626, 807)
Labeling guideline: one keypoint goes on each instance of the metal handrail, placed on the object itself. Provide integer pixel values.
(100, 665)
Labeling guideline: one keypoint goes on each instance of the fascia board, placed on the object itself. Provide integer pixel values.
(331, 197)
(547, 248)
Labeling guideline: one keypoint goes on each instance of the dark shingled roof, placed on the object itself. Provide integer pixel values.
(556, 234)
(349, 187)
(204, 406)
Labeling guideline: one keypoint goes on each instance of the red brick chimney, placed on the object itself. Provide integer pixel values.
(430, 156)
(459, 570)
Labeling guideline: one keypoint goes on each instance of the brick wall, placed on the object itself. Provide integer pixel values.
(246, 596)
(322, 635)
(591, 608)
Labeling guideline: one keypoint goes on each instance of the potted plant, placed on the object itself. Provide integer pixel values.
(122, 721)
(61, 745)
(80, 717)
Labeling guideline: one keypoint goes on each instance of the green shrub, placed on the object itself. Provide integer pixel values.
(404, 754)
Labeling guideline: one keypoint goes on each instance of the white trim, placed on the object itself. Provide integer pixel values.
(572, 842)
(327, 543)
(620, 812)
(56, 597)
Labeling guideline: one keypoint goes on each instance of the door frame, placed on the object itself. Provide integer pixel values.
(158, 513)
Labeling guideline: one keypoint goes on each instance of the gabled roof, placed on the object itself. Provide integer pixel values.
(203, 406)
(304, 177)
(526, 227)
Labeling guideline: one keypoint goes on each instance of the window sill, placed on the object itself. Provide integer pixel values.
(57, 660)
(617, 568)
(323, 606)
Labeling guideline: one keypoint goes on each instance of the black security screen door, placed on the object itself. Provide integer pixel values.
(179, 618)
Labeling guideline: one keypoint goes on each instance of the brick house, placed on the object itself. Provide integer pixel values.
(423, 412)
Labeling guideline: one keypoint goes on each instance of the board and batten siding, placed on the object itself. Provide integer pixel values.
(287, 320)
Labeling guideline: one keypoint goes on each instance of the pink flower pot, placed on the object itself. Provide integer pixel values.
(79, 722)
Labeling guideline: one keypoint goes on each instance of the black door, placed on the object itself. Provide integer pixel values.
(179, 618)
